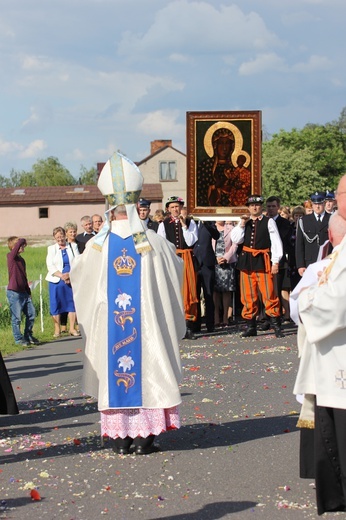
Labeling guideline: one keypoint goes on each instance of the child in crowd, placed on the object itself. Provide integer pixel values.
(19, 293)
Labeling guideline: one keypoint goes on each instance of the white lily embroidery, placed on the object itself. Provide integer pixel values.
(126, 363)
(123, 300)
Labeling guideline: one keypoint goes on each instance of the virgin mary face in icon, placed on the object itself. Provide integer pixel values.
(223, 144)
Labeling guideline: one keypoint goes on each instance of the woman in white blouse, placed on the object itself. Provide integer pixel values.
(59, 259)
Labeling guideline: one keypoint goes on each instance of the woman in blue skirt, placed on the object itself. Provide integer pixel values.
(59, 260)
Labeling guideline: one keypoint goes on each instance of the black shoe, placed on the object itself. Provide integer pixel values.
(264, 325)
(145, 445)
(142, 450)
(210, 329)
(249, 331)
(276, 324)
(121, 446)
(121, 451)
(189, 334)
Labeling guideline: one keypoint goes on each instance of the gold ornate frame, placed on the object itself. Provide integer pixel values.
(217, 185)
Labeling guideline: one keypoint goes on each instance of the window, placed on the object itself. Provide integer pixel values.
(42, 212)
(168, 171)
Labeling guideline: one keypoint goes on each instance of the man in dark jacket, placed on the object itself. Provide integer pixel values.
(143, 209)
(312, 232)
(285, 232)
(206, 260)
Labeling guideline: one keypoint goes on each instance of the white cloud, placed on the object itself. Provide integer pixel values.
(76, 155)
(40, 117)
(200, 28)
(262, 63)
(30, 150)
(34, 63)
(179, 58)
(314, 63)
(105, 153)
(93, 92)
(161, 122)
(7, 147)
(33, 149)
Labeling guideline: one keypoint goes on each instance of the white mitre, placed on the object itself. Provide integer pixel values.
(121, 182)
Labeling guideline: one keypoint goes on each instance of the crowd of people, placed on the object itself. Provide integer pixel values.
(157, 280)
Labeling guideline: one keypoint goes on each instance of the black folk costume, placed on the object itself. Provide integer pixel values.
(261, 246)
(172, 230)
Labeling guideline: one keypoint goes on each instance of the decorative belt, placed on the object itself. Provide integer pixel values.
(264, 252)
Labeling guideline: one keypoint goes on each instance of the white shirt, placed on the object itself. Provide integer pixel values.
(238, 234)
(190, 234)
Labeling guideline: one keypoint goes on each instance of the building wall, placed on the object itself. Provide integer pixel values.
(151, 172)
(25, 221)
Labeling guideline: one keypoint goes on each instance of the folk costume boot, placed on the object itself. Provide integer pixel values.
(121, 446)
(145, 446)
(276, 325)
(264, 324)
(251, 329)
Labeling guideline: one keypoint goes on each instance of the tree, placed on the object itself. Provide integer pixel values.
(4, 182)
(15, 178)
(291, 176)
(50, 172)
(297, 163)
(87, 176)
(341, 122)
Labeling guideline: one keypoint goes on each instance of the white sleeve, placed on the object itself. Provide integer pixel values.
(191, 233)
(276, 243)
(237, 234)
(161, 230)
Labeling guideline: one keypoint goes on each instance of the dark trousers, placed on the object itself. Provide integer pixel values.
(330, 459)
(278, 282)
(206, 281)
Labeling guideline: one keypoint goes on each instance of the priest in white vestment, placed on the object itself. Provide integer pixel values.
(305, 380)
(322, 310)
(127, 290)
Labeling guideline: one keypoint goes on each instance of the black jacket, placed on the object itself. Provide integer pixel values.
(307, 250)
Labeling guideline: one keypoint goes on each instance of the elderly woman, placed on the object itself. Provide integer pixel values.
(225, 281)
(71, 233)
(59, 259)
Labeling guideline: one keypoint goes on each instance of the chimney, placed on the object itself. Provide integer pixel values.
(158, 144)
(99, 167)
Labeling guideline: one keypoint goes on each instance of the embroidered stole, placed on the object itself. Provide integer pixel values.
(124, 323)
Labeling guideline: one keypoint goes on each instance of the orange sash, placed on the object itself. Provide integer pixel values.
(189, 285)
(264, 252)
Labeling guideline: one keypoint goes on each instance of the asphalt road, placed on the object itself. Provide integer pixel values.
(236, 455)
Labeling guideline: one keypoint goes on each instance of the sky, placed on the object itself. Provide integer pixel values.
(83, 78)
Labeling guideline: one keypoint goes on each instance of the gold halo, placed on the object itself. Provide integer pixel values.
(238, 141)
(247, 157)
